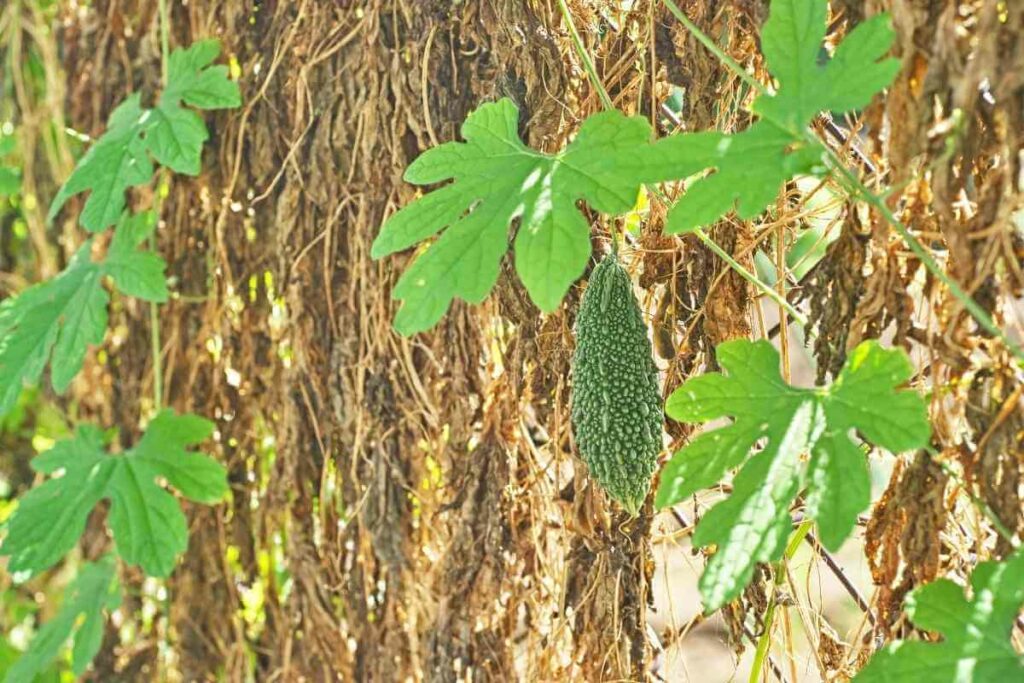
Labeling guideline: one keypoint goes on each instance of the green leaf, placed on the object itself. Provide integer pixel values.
(753, 524)
(10, 180)
(148, 525)
(176, 135)
(116, 162)
(498, 179)
(976, 633)
(176, 138)
(191, 78)
(51, 517)
(791, 42)
(172, 134)
(93, 593)
(136, 273)
(750, 167)
(55, 322)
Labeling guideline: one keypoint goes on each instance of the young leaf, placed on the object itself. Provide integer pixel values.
(172, 134)
(147, 522)
(191, 79)
(136, 273)
(176, 135)
(752, 165)
(59, 319)
(94, 592)
(753, 524)
(975, 633)
(791, 41)
(497, 179)
(117, 161)
(54, 321)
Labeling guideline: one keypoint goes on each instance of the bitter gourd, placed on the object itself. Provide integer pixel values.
(616, 406)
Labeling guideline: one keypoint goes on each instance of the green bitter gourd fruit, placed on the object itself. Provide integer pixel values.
(616, 406)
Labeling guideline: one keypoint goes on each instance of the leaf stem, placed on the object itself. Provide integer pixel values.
(858, 188)
(751, 277)
(982, 505)
(606, 101)
(706, 41)
(779, 569)
(588, 63)
(154, 313)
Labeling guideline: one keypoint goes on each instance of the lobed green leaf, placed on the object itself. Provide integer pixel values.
(497, 179)
(751, 166)
(753, 523)
(94, 592)
(56, 321)
(148, 525)
(173, 135)
(976, 634)
(52, 322)
(134, 272)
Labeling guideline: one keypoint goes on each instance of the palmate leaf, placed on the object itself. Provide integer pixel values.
(497, 179)
(56, 321)
(751, 166)
(753, 524)
(176, 135)
(94, 591)
(116, 162)
(146, 520)
(975, 633)
(135, 272)
(173, 135)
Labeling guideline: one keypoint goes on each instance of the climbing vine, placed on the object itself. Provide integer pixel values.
(54, 323)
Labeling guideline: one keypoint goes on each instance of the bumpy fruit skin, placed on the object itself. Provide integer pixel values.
(616, 406)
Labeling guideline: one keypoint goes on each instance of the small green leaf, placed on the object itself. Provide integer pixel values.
(191, 78)
(176, 135)
(498, 179)
(51, 517)
(94, 592)
(976, 645)
(753, 524)
(163, 449)
(136, 273)
(148, 525)
(115, 162)
(751, 166)
(55, 322)
(172, 134)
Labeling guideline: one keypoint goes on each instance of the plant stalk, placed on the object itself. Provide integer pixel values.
(779, 569)
(154, 312)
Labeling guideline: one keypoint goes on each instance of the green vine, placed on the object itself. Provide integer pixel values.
(54, 323)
